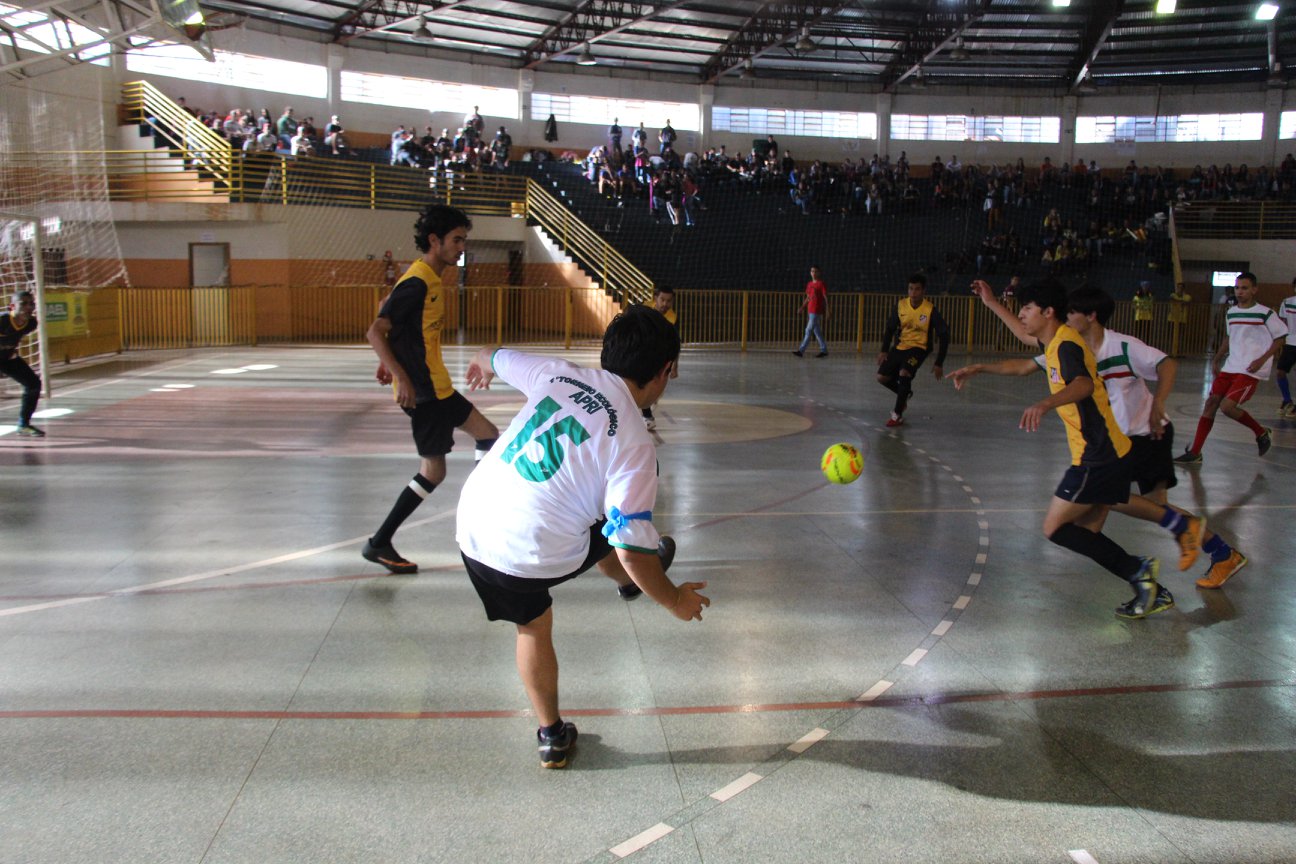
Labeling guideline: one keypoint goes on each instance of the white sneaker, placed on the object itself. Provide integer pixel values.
(651, 424)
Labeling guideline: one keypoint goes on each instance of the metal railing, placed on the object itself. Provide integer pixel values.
(144, 103)
(502, 314)
(1236, 220)
(612, 269)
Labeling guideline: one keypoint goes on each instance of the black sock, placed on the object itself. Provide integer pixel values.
(483, 447)
(891, 385)
(1099, 548)
(553, 731)
(410, 498)
(904, 386)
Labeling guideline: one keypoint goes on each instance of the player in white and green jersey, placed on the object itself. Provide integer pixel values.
(1286, 360)
(570, 485)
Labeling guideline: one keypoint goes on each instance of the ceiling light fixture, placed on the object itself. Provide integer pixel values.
(586, 58)
(917, 82)
(421, 32)
(1266, 12)
(959, 53)
(747, 70)
(1165, 7)
(1086, 85)
(1061, 4)
(804, 43)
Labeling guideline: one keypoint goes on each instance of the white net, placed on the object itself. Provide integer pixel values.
(53, 169)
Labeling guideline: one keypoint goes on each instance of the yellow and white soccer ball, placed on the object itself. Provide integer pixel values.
(842, 463)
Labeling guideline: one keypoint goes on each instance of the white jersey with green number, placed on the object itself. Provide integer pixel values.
(1287, 312)
(1124, 363)
(576, 453)
(1251, 332)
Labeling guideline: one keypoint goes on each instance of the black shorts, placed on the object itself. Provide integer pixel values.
(1287, 359)
(1097, 484)
(1152, 461)
(433, 423)
(896, 359)
(512, 598)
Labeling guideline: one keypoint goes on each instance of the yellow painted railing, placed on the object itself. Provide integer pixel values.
(1236, 220)
(196, 317)
(144, 103)
(608, 266)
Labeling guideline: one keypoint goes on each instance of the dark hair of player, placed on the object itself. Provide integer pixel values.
(440, 220)
(1092, 301)
(638, 344)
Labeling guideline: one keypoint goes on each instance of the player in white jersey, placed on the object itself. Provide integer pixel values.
(1125, 363)
(570, 485)
(1286, 360)
(1255, 335)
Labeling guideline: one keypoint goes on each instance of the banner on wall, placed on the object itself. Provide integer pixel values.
(65, 314)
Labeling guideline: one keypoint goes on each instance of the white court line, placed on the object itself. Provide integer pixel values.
(962, 602)
(915, 657)
(1080, 856)
(974, 579)
(639, 841)
(808, 740)
(942, 628)
(875, 691)
(210, 574)
(741, 784)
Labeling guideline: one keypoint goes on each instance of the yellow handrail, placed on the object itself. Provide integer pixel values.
(200, 145)
(615, 272)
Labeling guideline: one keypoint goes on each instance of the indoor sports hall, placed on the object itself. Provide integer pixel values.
(209, 201)
(197, 664)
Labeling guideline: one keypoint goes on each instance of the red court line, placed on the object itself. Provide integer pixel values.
(895, 702)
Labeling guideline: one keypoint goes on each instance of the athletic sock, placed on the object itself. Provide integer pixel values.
(408, 501)
(1250, 422)
(1285, 390)
(1099, 548)
(1174, 520)
(1203, 429)
(483, 447)
(1217, 549)
(904, 387)
(891, 385)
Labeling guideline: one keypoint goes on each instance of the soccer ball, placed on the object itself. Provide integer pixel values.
(842, 463)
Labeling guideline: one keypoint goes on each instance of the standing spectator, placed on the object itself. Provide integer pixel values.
(666, 138)
(641, 135)
(551, 129)
(614, 134)
(501, 146)
(13, 327)
(1143, 312)
(406, 336)
(475, 122)
(815, 306)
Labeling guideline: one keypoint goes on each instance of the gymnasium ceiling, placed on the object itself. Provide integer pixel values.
(874, 44)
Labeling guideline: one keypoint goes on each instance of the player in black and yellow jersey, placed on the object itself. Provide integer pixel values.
(406, 335)
(664, 302)
(907, 341)
(13, 327)
(1100, 474)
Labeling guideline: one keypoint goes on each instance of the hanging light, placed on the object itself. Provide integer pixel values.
(959, 53)
(1086, 85)
(421, 32)
(917, 82)
(747, 70)
(804, 43)
(586, 58)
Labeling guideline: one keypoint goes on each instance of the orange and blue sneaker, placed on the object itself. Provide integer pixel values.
(1221, 571)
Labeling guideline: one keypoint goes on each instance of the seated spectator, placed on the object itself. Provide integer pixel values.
(300, 144)
(267, 141)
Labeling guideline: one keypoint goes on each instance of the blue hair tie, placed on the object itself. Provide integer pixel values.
(617, 520)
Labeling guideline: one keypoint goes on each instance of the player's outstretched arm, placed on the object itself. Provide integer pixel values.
(682, 601)
(982, 289)
(378, 334)
(1018, 366)
(480, 373)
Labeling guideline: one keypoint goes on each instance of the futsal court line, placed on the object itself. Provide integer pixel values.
(209, 574)
(848, 710)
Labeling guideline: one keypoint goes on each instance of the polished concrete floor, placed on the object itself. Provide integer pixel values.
(197, 666)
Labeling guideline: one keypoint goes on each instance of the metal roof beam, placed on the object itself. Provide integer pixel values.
(771, 27)
(379, 16)
(1097, 31)
(590, 22)
(937, 29)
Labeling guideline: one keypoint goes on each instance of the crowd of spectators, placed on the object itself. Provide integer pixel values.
(466, 150)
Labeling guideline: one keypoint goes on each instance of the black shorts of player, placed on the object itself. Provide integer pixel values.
(512, 598)
(896, 359)
(433, 423)
(1287, 359)
(1152, 461)
(1108, 483)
